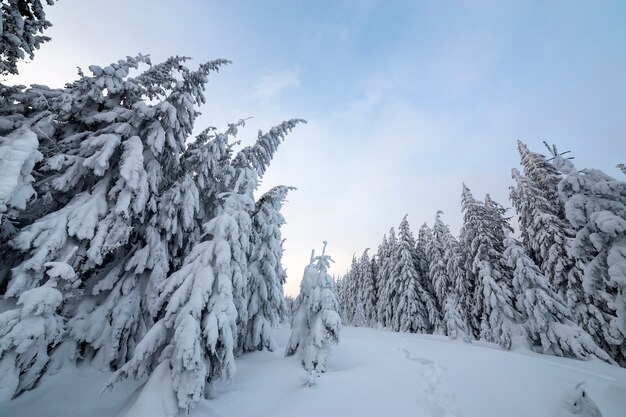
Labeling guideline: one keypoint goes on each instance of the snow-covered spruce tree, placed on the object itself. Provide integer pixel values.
(542, 231)
(500, 321)
(484, 230)
(110, 161)
(622, 168)
(595, 205)
(447, 276)
(543, 176)
(415, 309)
(374, 266)
(548, 323)
(316, 323)
(23, 24)
(351, 291)
(437, 269)
(341, 297)
(289, 309)
(368, 289)
(473, 212)
(457, 308)
(197, 334)
(545, 232)
(266, 301)
(194, 341)
(386, 288)
(424, 236)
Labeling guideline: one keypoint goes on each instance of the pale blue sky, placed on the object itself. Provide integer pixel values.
(405, 99)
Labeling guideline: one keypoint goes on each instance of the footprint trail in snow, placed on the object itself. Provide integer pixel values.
(432, 398)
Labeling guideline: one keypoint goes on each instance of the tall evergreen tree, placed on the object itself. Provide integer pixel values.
(548, 323)
(447, 276)
(437, 269)
(415, 309)
(424, 236)
(266, 300)
(111, 170)
(368, 288)
(470, 232)
(387, 289)
(595, 205)
(544, 234)
(484, 230)
(459, 299)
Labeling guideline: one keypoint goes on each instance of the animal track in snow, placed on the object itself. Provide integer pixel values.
(435, 402)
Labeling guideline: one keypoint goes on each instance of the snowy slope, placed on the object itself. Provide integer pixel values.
(371, 373)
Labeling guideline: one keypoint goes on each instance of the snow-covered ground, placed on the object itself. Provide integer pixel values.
(371, 373)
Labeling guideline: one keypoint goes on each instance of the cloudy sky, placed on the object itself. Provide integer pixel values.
(405, 99)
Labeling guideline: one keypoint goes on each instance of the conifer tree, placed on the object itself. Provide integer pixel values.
(447, 276)
(368, 289)
(374, 267)
(266, 301)
(459, 299)
(352, 292)
(470, 232)
(543, 232)
(484, 230)
(595, 205)
(543, 175)
(415, 309)
(548, 323)
(453, 320)
(423, 261)
(387, 290)
(316, 323)
(437, 269)
(105, 185)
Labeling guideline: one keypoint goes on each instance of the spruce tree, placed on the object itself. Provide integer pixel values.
(316, 323)
(447, 276)
(111, 167)
(266, 301)
(437, 270)
(415, 310)
(470, 232)
(544, 233)
(387, 289)
(595, 205)
(459, 299)
(484, 230)
(368, 288)
(548, 323)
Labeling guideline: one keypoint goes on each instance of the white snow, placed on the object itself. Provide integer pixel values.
(370, 373)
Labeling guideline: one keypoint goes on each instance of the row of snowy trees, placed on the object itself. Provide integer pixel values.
(122, 245)
(561, 289)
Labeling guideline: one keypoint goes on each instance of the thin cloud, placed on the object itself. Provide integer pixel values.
(272, 85)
